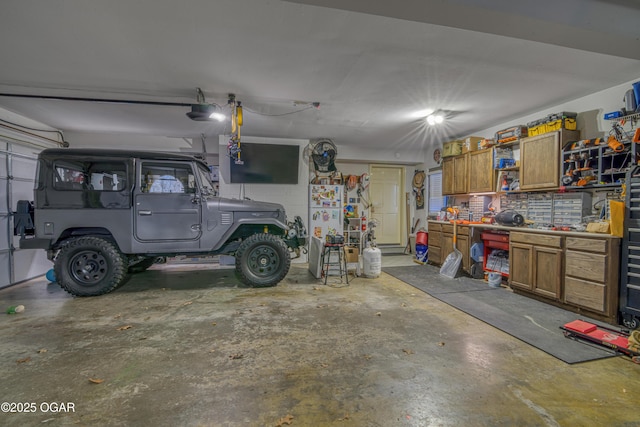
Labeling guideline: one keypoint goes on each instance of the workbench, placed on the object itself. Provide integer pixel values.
(575, 270)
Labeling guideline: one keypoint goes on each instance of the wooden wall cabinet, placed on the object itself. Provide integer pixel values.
(540, 159)
(448, 175)
(481, 172)
(535, 263)
(455, 175)
(461, 174)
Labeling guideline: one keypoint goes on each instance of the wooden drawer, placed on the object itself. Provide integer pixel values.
(463, 230)
(585, 265)
(494, 237)
(536, 239)
(435, 239)
(589, 245)
(434, 226)
(585, 294)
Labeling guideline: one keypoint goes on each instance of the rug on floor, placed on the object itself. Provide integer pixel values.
(529, 320)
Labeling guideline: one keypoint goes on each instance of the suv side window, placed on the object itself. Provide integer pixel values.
(167, 177)
(90, 175)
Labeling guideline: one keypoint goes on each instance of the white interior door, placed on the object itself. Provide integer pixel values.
(385, 189)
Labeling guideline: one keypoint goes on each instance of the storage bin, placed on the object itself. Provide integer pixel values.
(511, 134)
(559, 121)
(452, 148)
(506, 163)
(477, 252)
(564, 123)
(537, 127)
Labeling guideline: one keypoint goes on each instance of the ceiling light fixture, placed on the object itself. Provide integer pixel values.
(435, 119)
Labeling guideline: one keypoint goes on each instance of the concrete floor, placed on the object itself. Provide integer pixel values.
(179, 346)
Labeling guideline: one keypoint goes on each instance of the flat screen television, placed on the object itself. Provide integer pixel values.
(266, 164)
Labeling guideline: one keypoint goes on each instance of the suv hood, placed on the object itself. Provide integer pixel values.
(237, 205)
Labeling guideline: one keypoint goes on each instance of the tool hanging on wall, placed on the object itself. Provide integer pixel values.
(616, 138)
(233, 147)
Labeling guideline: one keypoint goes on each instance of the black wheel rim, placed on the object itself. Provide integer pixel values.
(88, 267)
(263, 260)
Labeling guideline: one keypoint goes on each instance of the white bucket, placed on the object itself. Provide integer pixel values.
(372, 262)
(495, 280)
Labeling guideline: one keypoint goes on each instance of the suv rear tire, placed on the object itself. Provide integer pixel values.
(90, 266)
(262, 260)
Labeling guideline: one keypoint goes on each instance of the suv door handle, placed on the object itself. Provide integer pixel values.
(144, 212)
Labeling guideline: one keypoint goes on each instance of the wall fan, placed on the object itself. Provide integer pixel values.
(323, 154)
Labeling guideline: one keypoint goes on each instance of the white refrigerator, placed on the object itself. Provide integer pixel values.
(325, 210)
(325, 217)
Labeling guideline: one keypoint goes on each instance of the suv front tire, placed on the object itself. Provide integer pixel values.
(262, 260)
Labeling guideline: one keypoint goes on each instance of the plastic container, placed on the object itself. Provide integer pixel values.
(477, 252)
(636, 91)
(422, 253)
(372, 262)
(495, 280)
(422, 238)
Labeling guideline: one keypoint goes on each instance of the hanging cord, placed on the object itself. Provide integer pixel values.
(283, 114)
(62, 143)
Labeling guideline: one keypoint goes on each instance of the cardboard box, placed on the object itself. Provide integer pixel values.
(470, 143)
(452, 148)
(351, 254)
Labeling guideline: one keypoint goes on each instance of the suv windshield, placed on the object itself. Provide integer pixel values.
(205, 181)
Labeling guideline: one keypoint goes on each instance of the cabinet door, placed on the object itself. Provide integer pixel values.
(461, 174)
(521, 265)
(547, 273)
(447, 246)
(463, 246)
(435, 245)
(481, 176)
(540, 162)
(447, 175)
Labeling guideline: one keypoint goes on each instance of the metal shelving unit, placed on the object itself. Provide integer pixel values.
(594, 158)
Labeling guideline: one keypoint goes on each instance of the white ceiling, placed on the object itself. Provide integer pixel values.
(372, 66)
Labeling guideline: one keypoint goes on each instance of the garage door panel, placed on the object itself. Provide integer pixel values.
(3, 167)
(4, 244)
(30, 263)
(5, 280)
(21, 190)
(23, 168)
(22, 264)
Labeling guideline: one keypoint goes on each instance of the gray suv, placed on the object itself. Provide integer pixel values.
(103, 215)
